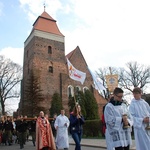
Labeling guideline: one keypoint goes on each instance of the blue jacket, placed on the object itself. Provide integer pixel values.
(76, 124)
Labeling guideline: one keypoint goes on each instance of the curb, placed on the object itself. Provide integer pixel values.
(97, 146)
(87, 145)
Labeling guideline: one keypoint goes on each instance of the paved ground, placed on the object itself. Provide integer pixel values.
(87, 144)
(99, 143)
(29, 146)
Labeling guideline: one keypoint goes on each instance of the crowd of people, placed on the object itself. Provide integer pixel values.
(17, 130)
(118, 119)
(46, 134)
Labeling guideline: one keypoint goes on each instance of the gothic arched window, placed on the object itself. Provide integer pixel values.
(70, 91)
(85, 89)
(77, 89)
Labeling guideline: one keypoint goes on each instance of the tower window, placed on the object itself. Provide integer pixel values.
(50, 69)
(49, 50)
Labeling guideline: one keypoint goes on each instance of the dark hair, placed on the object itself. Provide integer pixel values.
(117, 91)
(137, 90)
(54, 114)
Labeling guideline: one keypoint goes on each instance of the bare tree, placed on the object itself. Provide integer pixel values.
(10, 77)
(102, 72)
(135, 75)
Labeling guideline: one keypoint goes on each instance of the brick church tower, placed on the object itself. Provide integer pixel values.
(44, 56)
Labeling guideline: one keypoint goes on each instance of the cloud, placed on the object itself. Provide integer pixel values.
(35, 9)
(15, 54)
(112, 33)
(11, 105)
(109, 33)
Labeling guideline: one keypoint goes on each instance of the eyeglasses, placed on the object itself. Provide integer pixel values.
(119, 96)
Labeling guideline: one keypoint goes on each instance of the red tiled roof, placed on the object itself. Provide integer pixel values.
(46, 15)
(70, 54)
(47, 24)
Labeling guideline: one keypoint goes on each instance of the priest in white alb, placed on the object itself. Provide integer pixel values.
(61, 125)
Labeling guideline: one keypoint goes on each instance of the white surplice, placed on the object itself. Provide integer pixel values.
(140, 109)
(108, 137)
(117, 136)
(62, 140)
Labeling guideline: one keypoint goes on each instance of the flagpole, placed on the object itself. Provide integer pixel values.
(76, 104)
(74, 99)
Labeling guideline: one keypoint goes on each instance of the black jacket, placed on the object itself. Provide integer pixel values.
(21, 126)
(8, 125)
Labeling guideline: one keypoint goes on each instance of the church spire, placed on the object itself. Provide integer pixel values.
(44, 6)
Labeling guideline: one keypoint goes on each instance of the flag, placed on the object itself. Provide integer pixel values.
(97, 83)
(76, 74)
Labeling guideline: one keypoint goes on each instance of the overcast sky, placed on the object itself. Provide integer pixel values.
(108, 32)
